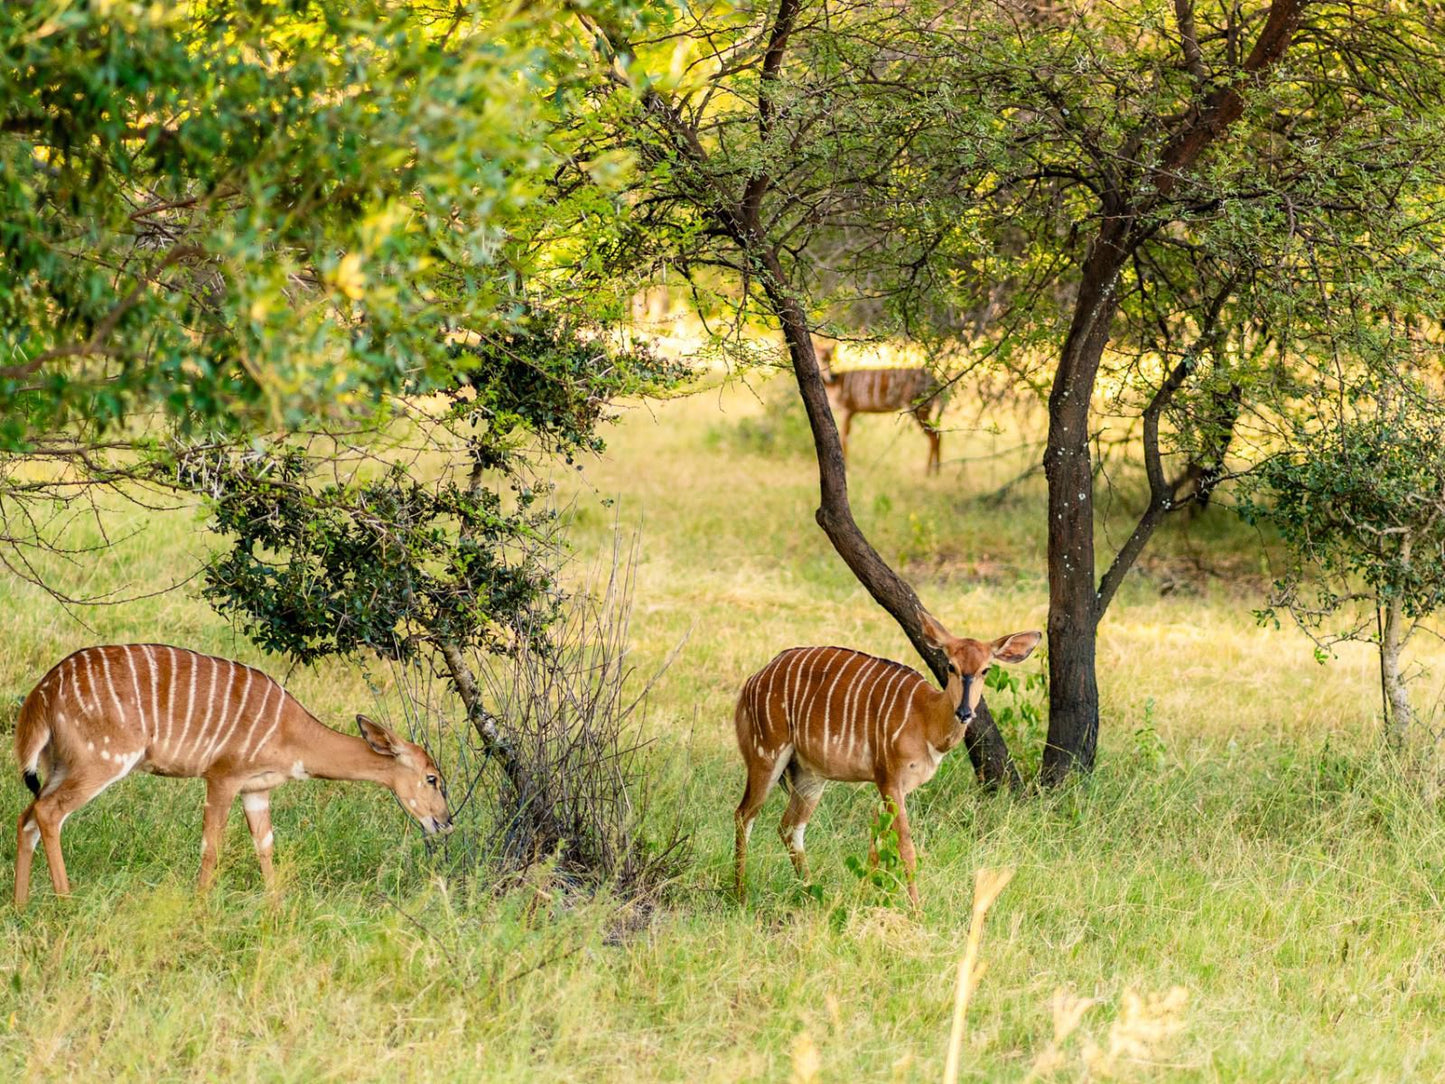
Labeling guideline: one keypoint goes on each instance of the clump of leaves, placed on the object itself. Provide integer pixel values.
(882, 873)
(1363, 516)
(1019, 704)
(1366, 508)
(383, 565)
(323, 563)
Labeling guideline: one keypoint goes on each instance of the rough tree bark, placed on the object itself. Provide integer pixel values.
(1074, 601)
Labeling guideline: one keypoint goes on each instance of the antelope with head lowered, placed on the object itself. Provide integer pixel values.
(820, 713)
(104, 712)
(882, 391)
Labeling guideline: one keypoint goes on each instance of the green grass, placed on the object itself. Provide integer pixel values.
(1241, 839)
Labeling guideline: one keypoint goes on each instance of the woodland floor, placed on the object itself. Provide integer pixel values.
(1242, 841)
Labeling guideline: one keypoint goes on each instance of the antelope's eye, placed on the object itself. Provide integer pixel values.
(431, 780)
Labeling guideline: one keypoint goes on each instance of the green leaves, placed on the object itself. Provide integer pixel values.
(1365, 507)
(331, 554)
(383, 565)
(260, 215)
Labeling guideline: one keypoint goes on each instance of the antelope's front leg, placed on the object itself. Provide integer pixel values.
(220, 793)
(257, 805)
(894, 796)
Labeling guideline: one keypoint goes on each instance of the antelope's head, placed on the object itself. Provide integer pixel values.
(969, 661)
(823, 350)
(413, 778)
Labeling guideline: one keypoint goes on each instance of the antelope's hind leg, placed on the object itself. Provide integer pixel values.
(806, 790)
(64, 793)
(27, 836)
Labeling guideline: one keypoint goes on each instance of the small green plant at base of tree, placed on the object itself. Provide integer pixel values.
(1149, 748)
(881, 874)
(1019, 703)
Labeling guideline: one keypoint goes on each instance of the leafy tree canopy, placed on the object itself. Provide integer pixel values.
(265, 214)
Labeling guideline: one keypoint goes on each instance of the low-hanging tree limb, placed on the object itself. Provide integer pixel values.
(739, 218)
(1161, 491)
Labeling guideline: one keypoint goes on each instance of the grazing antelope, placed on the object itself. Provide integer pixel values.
(820, 713)
(883, 391)
(104, 712)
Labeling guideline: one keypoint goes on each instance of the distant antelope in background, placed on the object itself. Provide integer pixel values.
(882, 391)
(820, 713)
(104, 712)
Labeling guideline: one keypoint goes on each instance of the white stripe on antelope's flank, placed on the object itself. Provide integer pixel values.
(773, 668)
(809, 694)
(767, 698)
(129, 654)
(93, 707)
(790, 695)
(856, 708)
(828, 711)
(214, 733)
(850, 704)
(155, 692)
(857, 662)
(276, 722)
(862, 707)
(65, 665)
(213, 667)
(790, 681)
(191, 661)
(904, 715)
(254, 730)
(170, 693)
(850, 707)
(898, 675)
(223, 741)
(110, 685)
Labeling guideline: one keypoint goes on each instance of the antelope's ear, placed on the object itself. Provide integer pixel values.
(934, 632)
(380, 739)
(1017, 647)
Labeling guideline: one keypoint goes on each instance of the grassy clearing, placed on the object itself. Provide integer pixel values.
(1236, 841)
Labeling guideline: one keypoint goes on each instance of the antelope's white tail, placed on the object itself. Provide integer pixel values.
(32, 737)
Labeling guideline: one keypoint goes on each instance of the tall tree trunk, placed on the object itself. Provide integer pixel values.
(1398, 726)
(986, 746)
(1073, 599)
(1397, 696)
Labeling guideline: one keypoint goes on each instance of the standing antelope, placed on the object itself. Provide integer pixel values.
(820, 713)
(883, 391)
(104, 712)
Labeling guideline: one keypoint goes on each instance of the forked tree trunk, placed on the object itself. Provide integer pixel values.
(1073, 599)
